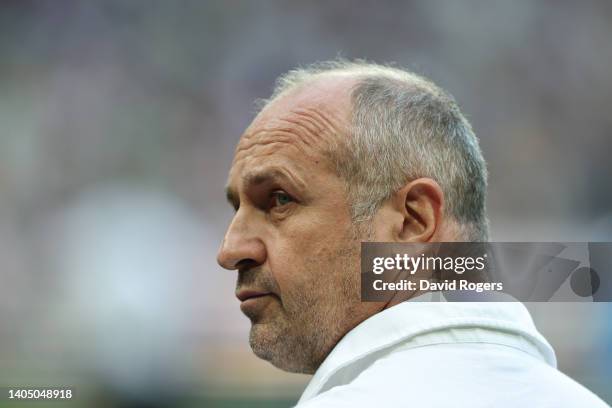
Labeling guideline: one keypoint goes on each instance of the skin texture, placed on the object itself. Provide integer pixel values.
(292, 239)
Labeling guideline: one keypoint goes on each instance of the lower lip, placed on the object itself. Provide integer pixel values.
(253, 302)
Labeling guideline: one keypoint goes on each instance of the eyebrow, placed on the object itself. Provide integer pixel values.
(258, 177)
(232, 197)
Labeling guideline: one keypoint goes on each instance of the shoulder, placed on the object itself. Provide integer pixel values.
(475, 375)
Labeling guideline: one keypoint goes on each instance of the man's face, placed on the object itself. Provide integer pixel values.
(291, 238)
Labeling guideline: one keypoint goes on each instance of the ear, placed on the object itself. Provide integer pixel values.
(421, 204)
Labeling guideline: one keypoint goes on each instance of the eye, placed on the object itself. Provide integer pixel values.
(280, 198)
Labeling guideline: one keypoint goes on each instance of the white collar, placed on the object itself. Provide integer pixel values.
(419, 322)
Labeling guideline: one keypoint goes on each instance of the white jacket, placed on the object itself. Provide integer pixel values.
(424, 354)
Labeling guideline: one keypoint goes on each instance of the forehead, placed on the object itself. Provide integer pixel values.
(297, 128)
(330, 94)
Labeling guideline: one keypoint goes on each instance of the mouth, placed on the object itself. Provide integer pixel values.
(246, 294)
(253, 303)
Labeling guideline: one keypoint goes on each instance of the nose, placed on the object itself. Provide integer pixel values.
(241, 245)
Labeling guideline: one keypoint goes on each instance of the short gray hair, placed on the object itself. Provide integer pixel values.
(403, 127)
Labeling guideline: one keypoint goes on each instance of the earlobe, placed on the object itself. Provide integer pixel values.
(422, 200)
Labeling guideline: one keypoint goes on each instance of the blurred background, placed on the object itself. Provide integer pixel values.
(118, 122)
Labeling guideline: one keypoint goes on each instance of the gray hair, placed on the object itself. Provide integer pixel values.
(403, 127)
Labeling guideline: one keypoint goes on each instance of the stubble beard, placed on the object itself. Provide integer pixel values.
(318, 314)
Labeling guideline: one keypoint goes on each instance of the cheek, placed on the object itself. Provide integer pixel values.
(309, 259)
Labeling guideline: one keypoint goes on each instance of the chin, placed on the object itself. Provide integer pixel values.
(276, 348)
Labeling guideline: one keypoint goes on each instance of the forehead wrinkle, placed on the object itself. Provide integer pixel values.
(319, 118)
(307, 133)
(264, 174)
(288, 131)
(258, 137)
(316, 125)
(278, 137)
(311, 125)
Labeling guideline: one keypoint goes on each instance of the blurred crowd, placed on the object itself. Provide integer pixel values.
(119, 121)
